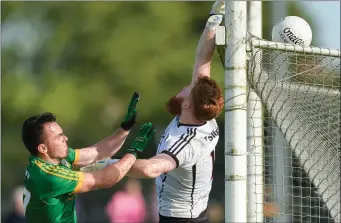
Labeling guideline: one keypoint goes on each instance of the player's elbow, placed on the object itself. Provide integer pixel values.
(151, 172)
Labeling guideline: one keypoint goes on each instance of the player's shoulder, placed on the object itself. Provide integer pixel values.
(180, 130)
(44, 171)
(211, 124)
(206, 133)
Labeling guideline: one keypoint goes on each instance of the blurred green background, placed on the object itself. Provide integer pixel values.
(83, 61)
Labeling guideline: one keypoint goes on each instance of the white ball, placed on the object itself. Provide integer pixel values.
(292, 30)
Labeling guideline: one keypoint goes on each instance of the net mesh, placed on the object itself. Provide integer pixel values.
(300, 93)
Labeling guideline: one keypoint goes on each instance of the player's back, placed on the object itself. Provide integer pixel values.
(184, 192)
(48, 193)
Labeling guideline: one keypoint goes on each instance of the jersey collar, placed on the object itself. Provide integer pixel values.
(179, 124)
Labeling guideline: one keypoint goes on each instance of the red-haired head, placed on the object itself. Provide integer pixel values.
(204, 101)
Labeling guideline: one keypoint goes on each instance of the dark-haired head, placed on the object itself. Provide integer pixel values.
(42, 135)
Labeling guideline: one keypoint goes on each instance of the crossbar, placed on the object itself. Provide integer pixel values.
(263, 44)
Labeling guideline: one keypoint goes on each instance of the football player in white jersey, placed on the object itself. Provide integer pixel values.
(183, 164)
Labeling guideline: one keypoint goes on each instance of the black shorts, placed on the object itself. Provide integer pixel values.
(202, 218)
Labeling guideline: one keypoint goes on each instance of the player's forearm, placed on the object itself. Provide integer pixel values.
(114, 173)
(108, 176)
(204, 53)
(111, 144)
(107, 147)
(205, 48)
(143, 168)
(138, 170)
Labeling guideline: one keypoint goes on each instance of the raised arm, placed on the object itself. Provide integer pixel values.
(206, 44)
(110, 145)
(113, 173)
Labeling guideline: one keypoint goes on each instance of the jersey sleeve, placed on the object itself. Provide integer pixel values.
(58, 180)
(182, 150)
(72, 155)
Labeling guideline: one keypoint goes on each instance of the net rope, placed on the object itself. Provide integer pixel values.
(301, 96)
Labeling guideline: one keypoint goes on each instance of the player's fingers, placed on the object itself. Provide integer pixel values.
(218, 8)
(150, 127)
(143, 129)
(151, 132)
(135, 99)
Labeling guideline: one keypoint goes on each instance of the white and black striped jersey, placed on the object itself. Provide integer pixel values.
(184, 191)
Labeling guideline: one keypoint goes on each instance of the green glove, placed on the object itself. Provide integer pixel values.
(130, 118)
(140, 143)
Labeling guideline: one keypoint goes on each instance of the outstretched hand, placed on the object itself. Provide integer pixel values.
(142, 140)
(130, 117)
(218, 8)
(216, 15)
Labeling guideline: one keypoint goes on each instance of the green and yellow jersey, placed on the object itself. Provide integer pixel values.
(49, 194)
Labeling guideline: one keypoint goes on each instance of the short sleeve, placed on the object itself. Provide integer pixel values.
(72, 155)
(181, 149)
(58, 180)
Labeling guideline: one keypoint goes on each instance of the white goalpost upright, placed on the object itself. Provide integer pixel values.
(235, 112)
(255, 189)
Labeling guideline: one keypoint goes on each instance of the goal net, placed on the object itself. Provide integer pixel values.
(299, 89)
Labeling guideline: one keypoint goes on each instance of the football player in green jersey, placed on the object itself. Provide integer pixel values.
(51, 181)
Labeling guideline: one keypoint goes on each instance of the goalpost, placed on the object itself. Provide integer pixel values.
(255, 192)
(282, 121)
